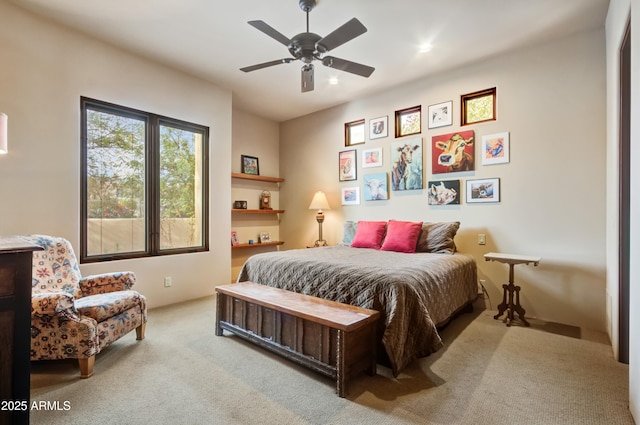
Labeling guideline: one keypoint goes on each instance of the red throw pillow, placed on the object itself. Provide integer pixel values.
(369, 234)
(402, 236)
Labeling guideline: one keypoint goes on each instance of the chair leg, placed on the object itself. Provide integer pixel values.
(140, 331)
(86, 366)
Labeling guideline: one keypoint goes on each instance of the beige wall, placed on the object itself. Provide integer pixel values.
(45, 69)
(551, 99)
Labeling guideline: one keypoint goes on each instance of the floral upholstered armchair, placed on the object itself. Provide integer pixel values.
(77, 317)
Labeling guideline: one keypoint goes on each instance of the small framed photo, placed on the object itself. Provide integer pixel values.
(350, 196)
(444, 192)
(265, 237)
(234, 238)
(483, 190)
(354, 133)
(379, 127)
(409, 121)
(495, 149)
(250, 165)
(347, 165)
(440, 115)
(375, 187)
(478, 107)
(372, 158)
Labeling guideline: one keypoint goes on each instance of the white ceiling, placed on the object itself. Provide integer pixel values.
(212, 40)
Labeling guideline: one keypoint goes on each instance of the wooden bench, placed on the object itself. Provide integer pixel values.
(335, 339)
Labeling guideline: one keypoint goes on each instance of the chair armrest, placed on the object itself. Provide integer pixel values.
(107, 282)
(52, 304)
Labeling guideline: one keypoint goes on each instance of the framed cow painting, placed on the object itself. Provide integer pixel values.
(375, 187)
(483, 190)
(444, 192)
(406, 164)
(453, 152)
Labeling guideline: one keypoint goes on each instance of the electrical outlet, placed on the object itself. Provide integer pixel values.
(167, 281)
(482, 239)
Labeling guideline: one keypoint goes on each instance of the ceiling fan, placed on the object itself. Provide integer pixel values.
(309, 47)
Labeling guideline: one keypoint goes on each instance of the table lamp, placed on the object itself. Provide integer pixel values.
(319, 202)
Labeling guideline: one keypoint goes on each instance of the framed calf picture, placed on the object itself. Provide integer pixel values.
(453, 152)
(483, 190)
(406, 164)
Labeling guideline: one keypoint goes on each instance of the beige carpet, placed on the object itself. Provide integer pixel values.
(487, 374)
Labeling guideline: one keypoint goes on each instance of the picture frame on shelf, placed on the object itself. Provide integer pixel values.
(379, 127)
(372, 158)
(354, 133)
(409, 121)
(495, 148)
(250, 165)
(347, 165)
(483, 190)
(351, 196)
(234, 238)
(265, 237)
(477, 107)
(440, 114)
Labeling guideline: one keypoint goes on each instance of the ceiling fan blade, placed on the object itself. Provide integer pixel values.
(347, 32)
(270, 31)
(348, 66)
(307, 78)
(265, 64)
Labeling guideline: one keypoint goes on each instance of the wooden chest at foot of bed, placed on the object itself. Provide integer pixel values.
(335, 339)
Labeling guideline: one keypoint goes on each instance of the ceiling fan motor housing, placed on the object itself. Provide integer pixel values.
(303, 47)
(307, 5)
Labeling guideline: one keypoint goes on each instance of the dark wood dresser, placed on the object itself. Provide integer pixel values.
(15, 328)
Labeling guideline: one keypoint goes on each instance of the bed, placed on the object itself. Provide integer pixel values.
(415, 292)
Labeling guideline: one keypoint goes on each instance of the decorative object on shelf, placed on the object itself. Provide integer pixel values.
(495, 149)
(240, 205)
(406, 160)
(441, 114)
(250, 165)
(372, 158)
(444, 192)
(409, 121)
(483, 190)
(319, 202)
(375, 187)
(350, 196)
(347, 165)
(354, 133)
(234, 238)
(265, 237)
(478, 107)
(453, 152)
(265, 200)
(4, 125)
(379, 127)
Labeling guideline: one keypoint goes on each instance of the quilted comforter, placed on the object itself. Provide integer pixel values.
(415, 293)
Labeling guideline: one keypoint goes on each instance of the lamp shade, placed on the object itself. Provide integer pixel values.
(319, 202)
(3, 133)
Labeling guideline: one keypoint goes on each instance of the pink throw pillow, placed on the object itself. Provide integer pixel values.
(369, 234)
(402, 236)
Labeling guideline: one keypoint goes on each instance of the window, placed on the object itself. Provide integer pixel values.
(144, 184)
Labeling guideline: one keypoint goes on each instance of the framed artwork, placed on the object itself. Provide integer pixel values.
(440, 115)
(354, 133)
(265, 237)
(495, 149)
(406, 160)
(483, 190)
(379, 127)
(350, 196)
(453, 152)
(444, 192)
(478, 106)
(234, 238)
(250, 165)
(347, 165)
(375, 187)
(372, 158)
(408, 121)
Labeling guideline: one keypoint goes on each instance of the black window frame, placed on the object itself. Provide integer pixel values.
(152, 191)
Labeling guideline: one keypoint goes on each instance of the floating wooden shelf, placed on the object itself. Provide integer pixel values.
(257, 245)
(238, 211)
(258, 178)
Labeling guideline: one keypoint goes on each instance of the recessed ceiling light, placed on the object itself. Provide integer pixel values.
(425, 47)
(333, 81)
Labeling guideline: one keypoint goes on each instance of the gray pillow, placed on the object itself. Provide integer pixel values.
(349, 232)
(438, 237)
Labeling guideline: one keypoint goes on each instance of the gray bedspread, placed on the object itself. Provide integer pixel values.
(415, 293)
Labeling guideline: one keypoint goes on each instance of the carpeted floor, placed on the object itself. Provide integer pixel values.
(486, 374)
